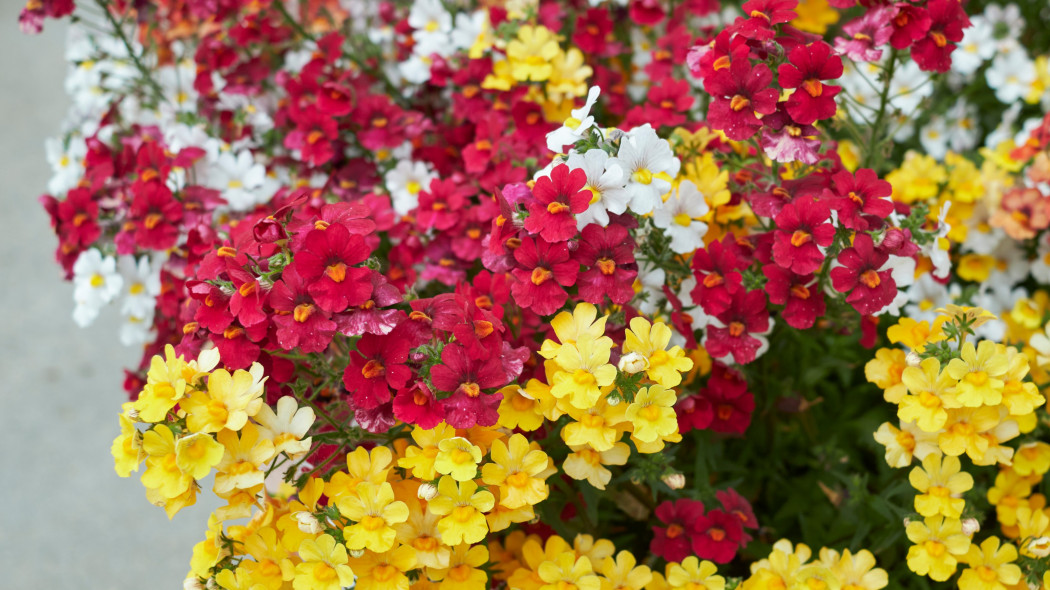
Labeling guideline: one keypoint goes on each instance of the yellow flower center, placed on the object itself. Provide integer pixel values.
(583, 378)
(425, 544)
(595, 195)
(460, 573)
(137, 288)
(977, 378)
(97, 280)
(939, 491)
(240, 468)
(518, 480)
(816, 584)
(683, 219)
(324, 572)
(373, 523)
(935, 549)
(592, 420)
(987, 574)
(461, 457)
(463, 514)
(413, 187)
(929, 400)
(590, 456)
(643, 176)
(572, 123)
(650, 413)
(565, 585)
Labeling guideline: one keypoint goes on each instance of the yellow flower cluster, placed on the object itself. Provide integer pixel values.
(534, 55)
(198, 418)
(789, 566)
(602, 401)
(955, 400)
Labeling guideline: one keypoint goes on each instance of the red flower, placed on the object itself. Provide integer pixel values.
(858, 196)
(746, 315)
(869, 288)
(300, 320)
(441, 204)
(463, 410)
(559, 197)
(668, 103)
(155, 214)
(717, 536)
(716, 269)
(608, 255)
(809, 64)
(77, 217)
(909, 24)
(327, 262)
(248, 299)
(933, 53)
(803, 301)
(740, 92)
(693, 413)
(466, 377)
(372, 316)
(802, 228)
(592, 31)
(762, 15)
(313, 136)
(673, 542)
(376, 367)
(543, 270)
(417, 405)
(736, 505)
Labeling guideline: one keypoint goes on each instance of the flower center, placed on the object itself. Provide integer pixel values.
(800, 238)
(373, 523)
(471, 389)
(713, 280)
(555, 207)
(674, 531)
(716, 534)
(336, 272)
(977, 378)
(643, 176)
(987, 574)
(813, 87)
(462, 514)
(870, 278)
(518, 480)
(739, 103)
(799, 292)
(606, 266)
(683, 219)
(540, 275)
(302, 312)
(736, 329)
(372, 369)
(324, 572)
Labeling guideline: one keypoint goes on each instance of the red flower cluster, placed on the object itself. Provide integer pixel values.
(715, 535)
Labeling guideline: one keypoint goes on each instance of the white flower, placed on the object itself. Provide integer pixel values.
(934, 137)
(902, 270)
(1040, 267)
(576, 126)
(471, 32)
(1006, 22)
(67, 164)
(241, 179)
(651, 279)
(429, 16)
(963, 131)
(649, 164)
(405, 181)
(136, 330)
(680, 218)
(977, 46)
(415, 69)
(605, 180)
(925, 296)
(142, 285)
(909, 86)
(937, 249)
(1011, 76)
(287, 427)
(96, 282)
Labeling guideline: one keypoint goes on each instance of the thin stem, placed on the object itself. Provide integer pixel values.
(291, 20)
(876, 141)
(118, 30)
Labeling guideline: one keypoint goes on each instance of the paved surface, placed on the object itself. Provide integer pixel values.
(67, 520)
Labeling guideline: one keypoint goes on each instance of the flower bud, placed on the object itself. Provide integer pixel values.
(211, 584)
(427, 492)
(268, 230)
(355, 553)
(675, 481)
(613, 399)
(1038, 547)
(308, 523)
(192, 583)
(912, 359)
(633, 363)
(970, 526)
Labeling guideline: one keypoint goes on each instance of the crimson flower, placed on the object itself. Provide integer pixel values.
(238, 346)
(543, 270)
(417, 405)
(301, 322)
(808, 65)
(77, 217)
(440, 204)
(716, 269)
(313, 136)
(740, 93)
(376, 367)
(858, 196)
(735, 504)
(867, 34)
(762, 15)
(803, 301)
(559, 197)
(327, 262)
(155, 214)
(248, 299)
(933, 53)
(373, 316)
(593, 31)
(608, 255)
(466, 377)
(731, 402)
(717, 536)
(746, 316)
(909, 24)
(869, 288)
(802, 228)
(673, 542)
(693, 413)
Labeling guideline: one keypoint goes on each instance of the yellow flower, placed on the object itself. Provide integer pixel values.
(287, 426)
(582, 324)
(1019, 397)
(991, 566)
(710, 180)
(569, 74)
(463, 507)
(519, 410)
(229, 401)
(905, 442)
(814, 16)
(815, 575)
(693, 574)
(918, 179)
(534, 553)
(271, 567)
(596, 426)
(463, 571)
(1009, 492)
(593, 549)
(963, 433)
(458, 458)
(383, 571)
(974, 316)
(375, 512)
(127, 447)
(162, 470)
(938, 542)
(585, 369)
(1032, 459)
(531, 54)
(165, 386)
(1031, 528)
(649, 340)
(197, 453)
(930, 395)
(518, 470)
(941, 484)
(885, 371)
(978, 373)
(567, 572)
(964, 180)
(916, 335)
(421, 533)
(652, 413)
(858, 572)
(324, 565)
(500, 517)
(589, 464)
(240, 467)
(624, 573)
(239, 578)
(420, 459)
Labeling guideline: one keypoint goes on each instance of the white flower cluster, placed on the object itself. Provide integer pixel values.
(100, 280)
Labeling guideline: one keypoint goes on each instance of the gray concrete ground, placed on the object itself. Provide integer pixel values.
(67, 521)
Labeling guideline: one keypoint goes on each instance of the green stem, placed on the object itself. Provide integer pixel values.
(118, 30)
(291, 20)
(876, 141)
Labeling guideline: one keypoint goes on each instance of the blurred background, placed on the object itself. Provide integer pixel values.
(67, 520)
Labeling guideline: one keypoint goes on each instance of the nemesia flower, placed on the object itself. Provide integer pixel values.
(807, 66)
(648, 165)
(740, 93)
(544, 269)
(869, 289)
(802, 228)
(681, 217)
(559, 197)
